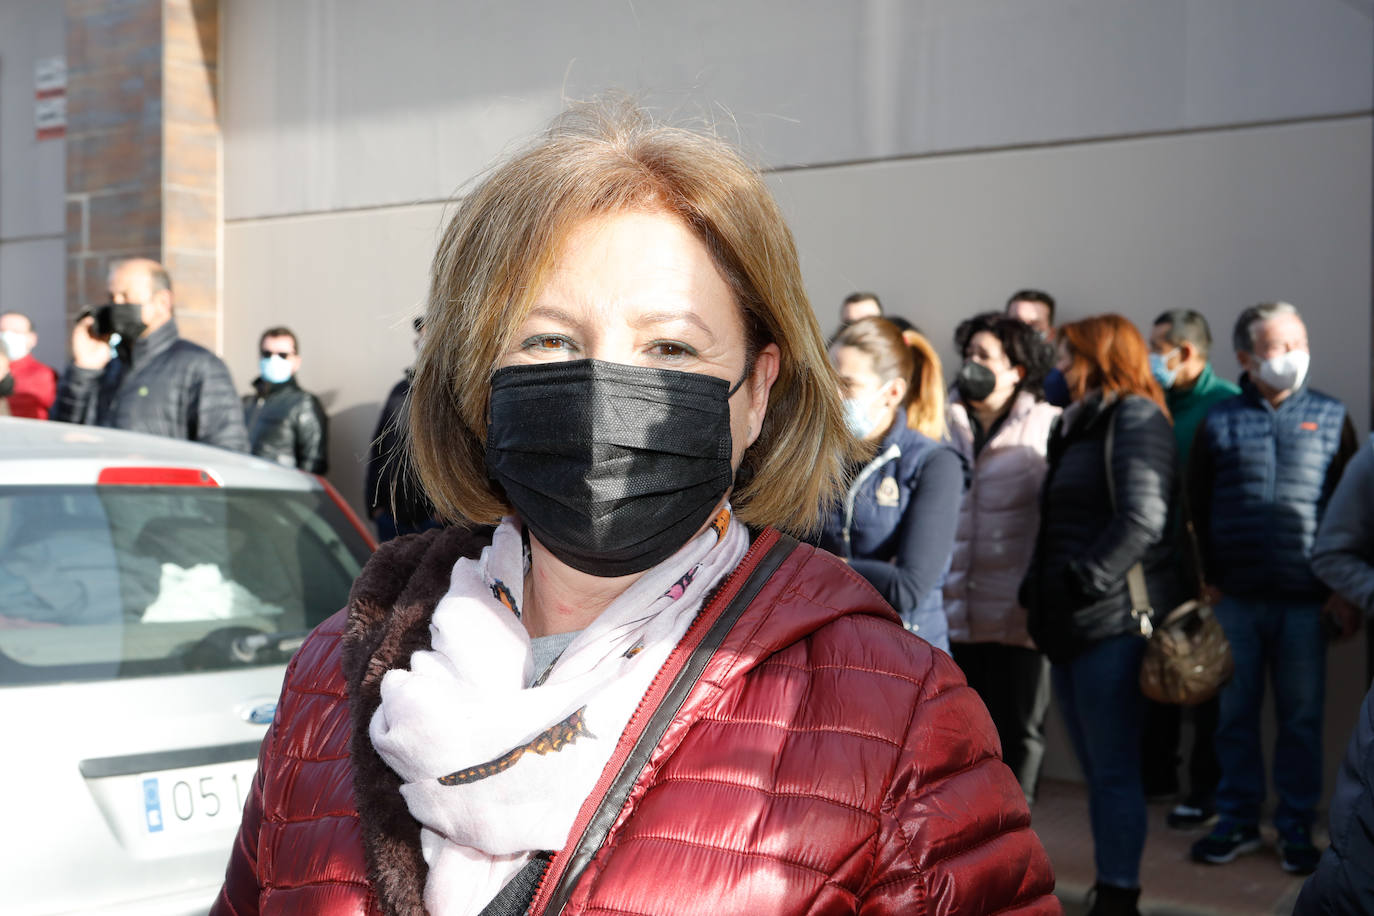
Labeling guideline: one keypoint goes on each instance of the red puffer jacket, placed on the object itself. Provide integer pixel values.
(814, 758)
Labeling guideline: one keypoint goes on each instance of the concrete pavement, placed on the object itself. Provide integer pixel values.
(1172, 885)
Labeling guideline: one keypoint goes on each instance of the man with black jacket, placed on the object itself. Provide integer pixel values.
(155, 381)
(286, 423)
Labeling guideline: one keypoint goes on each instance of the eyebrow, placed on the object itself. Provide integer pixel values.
(553, 313)
(645, 319)
(638, 321)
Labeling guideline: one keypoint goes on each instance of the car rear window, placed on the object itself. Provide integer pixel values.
(102, 582)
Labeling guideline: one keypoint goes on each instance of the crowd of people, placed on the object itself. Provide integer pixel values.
(616, 678)
(1088, 448)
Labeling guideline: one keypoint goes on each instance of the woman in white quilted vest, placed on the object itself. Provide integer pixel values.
(1000, 422)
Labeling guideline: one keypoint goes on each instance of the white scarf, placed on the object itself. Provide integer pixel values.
(520, 760)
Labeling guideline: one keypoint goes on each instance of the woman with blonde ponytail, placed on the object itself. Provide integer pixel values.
(896, 523)
(926, 411)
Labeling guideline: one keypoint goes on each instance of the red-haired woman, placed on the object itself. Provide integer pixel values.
(1093, 529)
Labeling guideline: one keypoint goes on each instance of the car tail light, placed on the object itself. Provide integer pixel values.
(156, 477)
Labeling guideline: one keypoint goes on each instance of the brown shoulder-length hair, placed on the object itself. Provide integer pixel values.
(1108, 353)
(492, 260)
(902, 354)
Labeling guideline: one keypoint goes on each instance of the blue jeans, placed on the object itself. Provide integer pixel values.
(1104, 710)
(1285, 639)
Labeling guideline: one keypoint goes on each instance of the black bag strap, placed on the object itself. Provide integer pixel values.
(1194, 546)
(515, 898)
(1135, 576)
(615, 797)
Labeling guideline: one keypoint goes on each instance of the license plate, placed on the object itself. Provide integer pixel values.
(195, 800)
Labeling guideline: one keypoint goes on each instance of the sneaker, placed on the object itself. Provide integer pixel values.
(1296, 851)
(1227, 840)
(1189, 815)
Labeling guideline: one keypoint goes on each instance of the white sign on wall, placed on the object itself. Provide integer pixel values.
(50, 98)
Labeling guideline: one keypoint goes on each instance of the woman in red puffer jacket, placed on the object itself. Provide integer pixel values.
(635, 694)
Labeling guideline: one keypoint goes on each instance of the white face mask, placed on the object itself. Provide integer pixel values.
(856, 416)
(16, 344)
(274, 369)
(1286, 371)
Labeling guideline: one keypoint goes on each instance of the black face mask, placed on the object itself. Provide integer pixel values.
(612, 467)
(122, 318)
(975, 382)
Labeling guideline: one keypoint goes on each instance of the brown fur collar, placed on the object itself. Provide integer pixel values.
(388, 620)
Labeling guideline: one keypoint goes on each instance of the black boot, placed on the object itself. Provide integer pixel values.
(1109, 900)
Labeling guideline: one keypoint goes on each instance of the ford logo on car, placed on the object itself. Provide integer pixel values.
(262, 713)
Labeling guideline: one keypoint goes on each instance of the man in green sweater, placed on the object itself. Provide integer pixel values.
(1180, 342)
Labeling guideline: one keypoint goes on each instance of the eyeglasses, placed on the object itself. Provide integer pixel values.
(266, 354)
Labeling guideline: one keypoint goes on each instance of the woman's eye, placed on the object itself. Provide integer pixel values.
(671, 349)
(549, 343)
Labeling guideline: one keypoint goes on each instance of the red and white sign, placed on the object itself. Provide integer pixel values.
(50, 98)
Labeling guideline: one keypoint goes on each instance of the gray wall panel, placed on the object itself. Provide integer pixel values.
(32, 172)
(333, 104)
(33, 281)
(348, 285)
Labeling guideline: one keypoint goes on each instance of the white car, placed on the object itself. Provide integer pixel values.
(151, 593)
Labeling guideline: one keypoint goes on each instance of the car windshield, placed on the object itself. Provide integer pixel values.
(100, 582)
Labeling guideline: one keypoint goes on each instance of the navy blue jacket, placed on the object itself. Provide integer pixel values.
(897, 522)
(1344, 881)
(1259, 481)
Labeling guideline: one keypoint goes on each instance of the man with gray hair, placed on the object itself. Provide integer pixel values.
(1180, 345)
(1262, 470)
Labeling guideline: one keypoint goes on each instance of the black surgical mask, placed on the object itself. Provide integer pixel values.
(612, 467)
(975, 382)
(122, 318)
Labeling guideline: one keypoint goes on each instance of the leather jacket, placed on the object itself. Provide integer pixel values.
(813, 758)
(288, 425)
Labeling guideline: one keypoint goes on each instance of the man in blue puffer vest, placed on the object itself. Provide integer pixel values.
(1262, 470)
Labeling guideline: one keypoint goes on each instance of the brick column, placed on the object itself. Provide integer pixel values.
(143, 150)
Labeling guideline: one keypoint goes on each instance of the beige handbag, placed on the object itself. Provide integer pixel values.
(1187, 657)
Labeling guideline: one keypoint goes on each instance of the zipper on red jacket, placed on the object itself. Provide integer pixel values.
(658, 688)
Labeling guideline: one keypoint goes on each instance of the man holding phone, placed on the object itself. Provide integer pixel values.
(131, 370)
